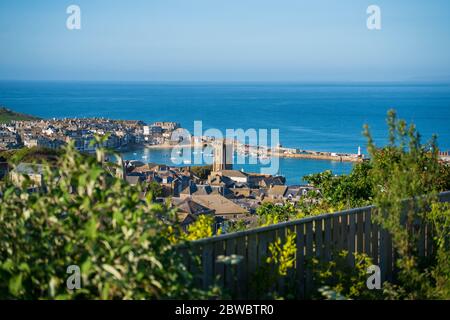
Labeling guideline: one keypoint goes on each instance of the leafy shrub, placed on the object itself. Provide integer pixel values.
(86, 217)
(269, 213)
(275, 269)
(344, 281)
(283, 255)
(203, 227)
(408, 169)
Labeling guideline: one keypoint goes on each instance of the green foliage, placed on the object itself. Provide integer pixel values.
(283, 255)
(235, 226)
(270, 213)
(155, 189)
(86, 217)
(346, 191)
(32, 155)
(407, 169)
(203, 227)
(341, 281)
(275, 269)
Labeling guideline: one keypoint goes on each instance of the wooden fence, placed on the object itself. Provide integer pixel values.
(320, 237)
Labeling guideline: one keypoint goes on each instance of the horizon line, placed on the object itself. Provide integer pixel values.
(237, 81)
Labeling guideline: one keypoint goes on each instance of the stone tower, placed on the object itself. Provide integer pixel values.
(223, 155)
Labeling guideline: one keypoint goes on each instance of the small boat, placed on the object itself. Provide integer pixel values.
(186, 161)
(134, 153)
(173, 158)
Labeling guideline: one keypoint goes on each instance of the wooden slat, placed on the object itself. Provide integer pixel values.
(290, 281)
(336, 233)
(360, 232)
(309, 254)
(281, 234)
(242, 271)
(196, 265)
(367, 232)
(208, 265)
(375, 243)
(184, 253)
(384, 249)
(252, 254)
(351, 240)
(262, 248)
(389, 257)
(344, 233)
(219, 268)
(327, 240)
(300, 259)
(318, 239)
(230, 249)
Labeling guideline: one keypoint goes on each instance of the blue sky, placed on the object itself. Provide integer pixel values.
(232, 40)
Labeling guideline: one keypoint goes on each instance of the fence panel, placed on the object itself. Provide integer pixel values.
(319, 236)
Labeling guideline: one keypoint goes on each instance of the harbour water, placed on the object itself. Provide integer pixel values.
(322, 117)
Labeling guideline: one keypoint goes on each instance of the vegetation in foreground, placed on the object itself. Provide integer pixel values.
(88, 218)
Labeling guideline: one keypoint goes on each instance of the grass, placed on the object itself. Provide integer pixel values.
(7, 115)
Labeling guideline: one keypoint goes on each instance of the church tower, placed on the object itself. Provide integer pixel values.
(223, 155)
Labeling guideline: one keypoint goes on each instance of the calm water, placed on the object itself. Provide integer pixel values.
(325, 117)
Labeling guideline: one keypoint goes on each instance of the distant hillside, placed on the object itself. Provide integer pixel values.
(7, 115)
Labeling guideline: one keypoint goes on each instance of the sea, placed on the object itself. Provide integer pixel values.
(309, 116)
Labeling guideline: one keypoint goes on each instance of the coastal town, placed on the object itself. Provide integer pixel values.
(229, 195)
(126, 134)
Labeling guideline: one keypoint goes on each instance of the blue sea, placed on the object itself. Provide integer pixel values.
(320, 116)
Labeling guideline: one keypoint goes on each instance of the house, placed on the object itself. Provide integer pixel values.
(188, 211)
(222, 206)
(294, 193)
(235, 175)
(204, 189)
(265, 181)
(134, 179)
(277, 192)
(189, 206)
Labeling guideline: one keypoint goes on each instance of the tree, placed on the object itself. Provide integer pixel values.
(346, 191)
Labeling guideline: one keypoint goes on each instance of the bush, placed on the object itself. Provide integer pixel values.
(407, 169)
(86, 217)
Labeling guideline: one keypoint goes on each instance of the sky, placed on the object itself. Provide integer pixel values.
(232, 40)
